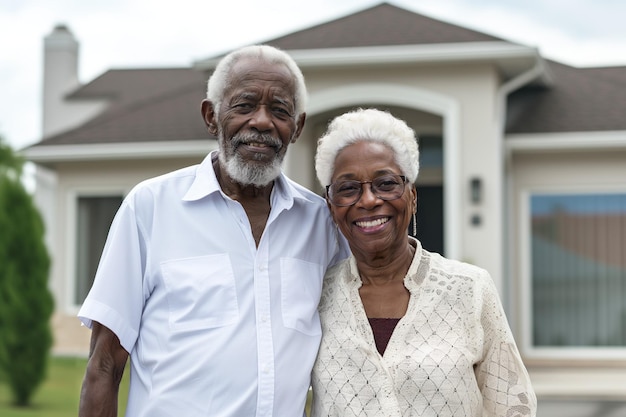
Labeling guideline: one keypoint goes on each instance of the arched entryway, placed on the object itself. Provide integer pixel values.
(435, 119)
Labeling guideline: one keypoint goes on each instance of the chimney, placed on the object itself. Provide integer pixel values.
(60, 76)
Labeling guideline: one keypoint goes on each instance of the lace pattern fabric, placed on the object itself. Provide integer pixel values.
(452, 354)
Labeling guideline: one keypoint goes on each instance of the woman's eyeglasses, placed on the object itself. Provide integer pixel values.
(345, 193)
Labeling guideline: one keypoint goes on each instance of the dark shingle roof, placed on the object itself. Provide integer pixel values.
(383, 24)
(163, 104)
(580, 100)
(146, 105)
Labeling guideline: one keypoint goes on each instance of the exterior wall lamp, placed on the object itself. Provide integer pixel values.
(476, 197)
(476, 190)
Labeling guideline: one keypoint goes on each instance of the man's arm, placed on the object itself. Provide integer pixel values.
(107, 359)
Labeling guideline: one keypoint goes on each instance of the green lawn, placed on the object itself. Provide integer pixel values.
(58, 395)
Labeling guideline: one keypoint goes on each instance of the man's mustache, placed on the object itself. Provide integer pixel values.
(263, 138)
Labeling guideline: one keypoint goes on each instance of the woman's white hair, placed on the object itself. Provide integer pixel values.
(220, 79)
(367, 125)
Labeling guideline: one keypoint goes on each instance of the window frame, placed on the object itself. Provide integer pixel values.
(595, 354)
(71, 218)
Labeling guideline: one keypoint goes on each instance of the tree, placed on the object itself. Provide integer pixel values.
(26, 303)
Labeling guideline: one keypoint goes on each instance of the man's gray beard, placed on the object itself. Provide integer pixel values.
(249, 174)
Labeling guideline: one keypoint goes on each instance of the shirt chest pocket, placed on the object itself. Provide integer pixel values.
(200, 292)
(301, 289)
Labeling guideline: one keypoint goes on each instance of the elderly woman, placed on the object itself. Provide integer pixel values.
(406, 332)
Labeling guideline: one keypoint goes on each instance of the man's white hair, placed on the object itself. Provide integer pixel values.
(220, 79)
(367, 125)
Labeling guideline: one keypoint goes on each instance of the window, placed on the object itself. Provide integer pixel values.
(578, 270)
(431, 151)
(93, 219)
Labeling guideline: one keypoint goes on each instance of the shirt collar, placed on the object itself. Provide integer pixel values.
(205, 180)
(205, 183)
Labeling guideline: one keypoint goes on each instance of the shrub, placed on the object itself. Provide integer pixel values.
(26, 303)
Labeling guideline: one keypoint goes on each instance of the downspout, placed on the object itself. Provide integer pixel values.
(537, 71)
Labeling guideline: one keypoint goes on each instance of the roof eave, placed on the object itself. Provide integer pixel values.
(542, 142)
(50, 154)
(511, 58)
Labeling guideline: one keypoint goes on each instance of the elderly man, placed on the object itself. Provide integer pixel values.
(211, 275)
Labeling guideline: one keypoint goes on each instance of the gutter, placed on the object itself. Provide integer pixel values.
(538, 71)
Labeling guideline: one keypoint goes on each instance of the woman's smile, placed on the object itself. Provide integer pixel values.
(372, 225)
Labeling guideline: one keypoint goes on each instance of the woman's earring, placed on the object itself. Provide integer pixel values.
(414, 225)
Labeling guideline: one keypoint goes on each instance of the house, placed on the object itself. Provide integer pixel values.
(523, 169)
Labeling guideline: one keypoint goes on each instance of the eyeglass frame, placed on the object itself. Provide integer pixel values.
(360, 194)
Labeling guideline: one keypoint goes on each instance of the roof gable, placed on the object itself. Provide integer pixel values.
(381, 25)
(150, 105)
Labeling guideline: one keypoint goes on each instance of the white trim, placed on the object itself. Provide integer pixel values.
(442, 52)
(599, 354)
(124, 150)
(423, 100)
(423, 53)
(539, 142)
(525, 274)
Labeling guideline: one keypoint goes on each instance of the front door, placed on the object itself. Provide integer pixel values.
(430, 217)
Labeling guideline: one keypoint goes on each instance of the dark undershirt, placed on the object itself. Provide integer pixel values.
(382, 328)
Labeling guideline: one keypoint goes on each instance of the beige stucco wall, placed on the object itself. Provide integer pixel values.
(571, 169)
(477, 142)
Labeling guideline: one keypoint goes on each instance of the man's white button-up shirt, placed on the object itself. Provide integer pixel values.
(214, 324)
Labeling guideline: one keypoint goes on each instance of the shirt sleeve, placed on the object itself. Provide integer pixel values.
(116, 297)
(501, 375)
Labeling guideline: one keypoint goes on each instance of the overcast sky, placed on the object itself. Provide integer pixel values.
(158, 33)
